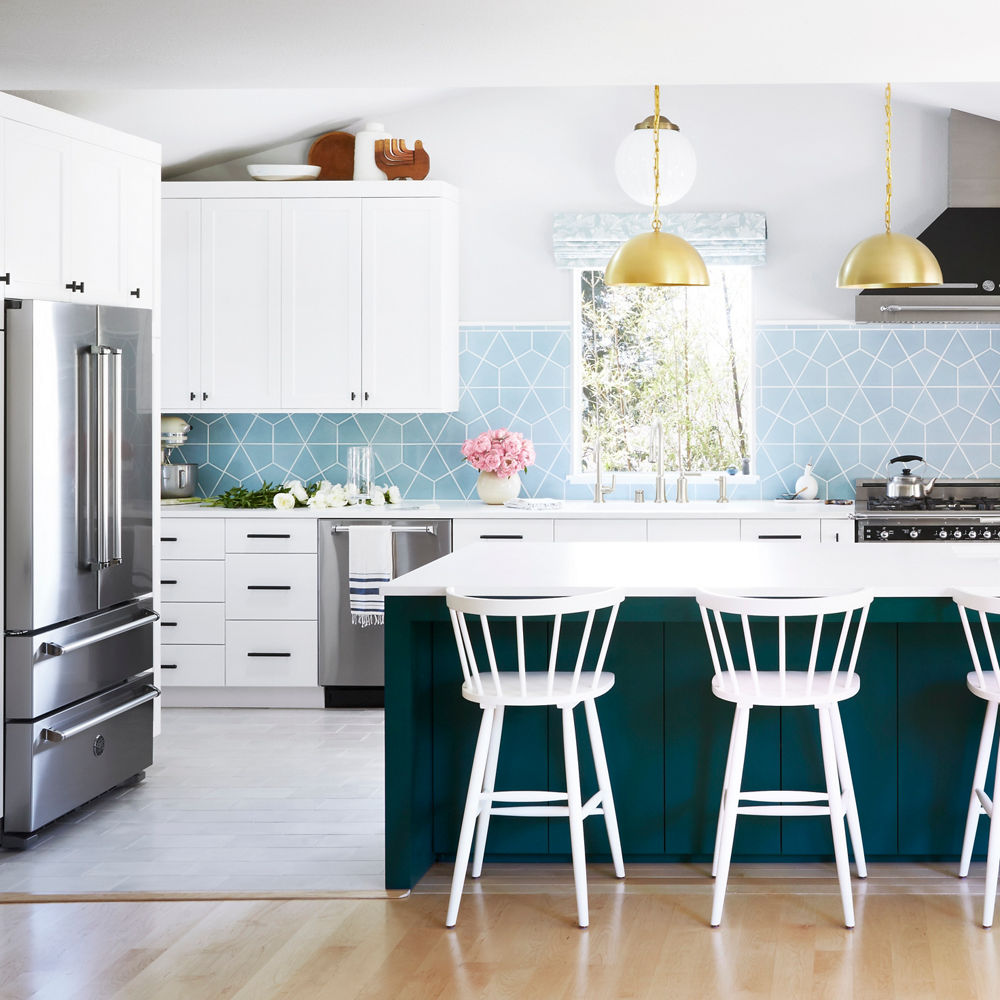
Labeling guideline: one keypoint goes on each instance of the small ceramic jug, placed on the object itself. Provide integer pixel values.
(806, 487)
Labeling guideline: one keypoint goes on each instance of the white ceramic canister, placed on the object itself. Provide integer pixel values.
(364, 152)
(806, 487)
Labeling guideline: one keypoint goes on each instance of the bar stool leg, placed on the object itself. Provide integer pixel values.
(489, 781)
(722, 800)
(978, 781)
(473, 801)
(575, 816)
(836, 813)
(604, 784)
(992, 852)
(730, 805)
(847, 784)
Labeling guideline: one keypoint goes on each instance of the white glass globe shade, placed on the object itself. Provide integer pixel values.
(634, 165)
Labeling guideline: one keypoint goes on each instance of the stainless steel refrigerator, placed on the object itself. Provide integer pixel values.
(78, 605)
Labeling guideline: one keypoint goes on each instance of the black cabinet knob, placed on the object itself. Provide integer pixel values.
(366, 397)
(192, 395)
(135, 292)
(5, 278)
(204, 395)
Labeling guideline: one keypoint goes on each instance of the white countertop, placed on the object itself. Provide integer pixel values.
(677, 569)
(735, 509)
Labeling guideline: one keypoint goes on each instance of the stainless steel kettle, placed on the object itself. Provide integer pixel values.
(907, 486)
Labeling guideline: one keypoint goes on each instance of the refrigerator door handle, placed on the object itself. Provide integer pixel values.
(115, 555)
(103, 457)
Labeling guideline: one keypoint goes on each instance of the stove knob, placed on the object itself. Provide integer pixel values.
(914, 533)
(987, 533)
(942, 533)
(971, 533)
(884, 534)
(957, 533)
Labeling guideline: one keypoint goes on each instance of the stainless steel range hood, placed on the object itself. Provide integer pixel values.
(965, 238)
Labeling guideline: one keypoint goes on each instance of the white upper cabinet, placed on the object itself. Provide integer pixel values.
(78, 219)
(240, 303)
(321, 304)
(338, 302)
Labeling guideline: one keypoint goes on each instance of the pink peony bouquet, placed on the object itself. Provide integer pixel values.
(501, 451)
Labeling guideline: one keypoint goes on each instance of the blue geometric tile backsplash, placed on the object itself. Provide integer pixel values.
(847, 397)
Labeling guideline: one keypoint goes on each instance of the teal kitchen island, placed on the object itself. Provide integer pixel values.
(912, 732)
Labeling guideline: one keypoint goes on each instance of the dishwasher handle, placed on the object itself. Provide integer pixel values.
(421, 529)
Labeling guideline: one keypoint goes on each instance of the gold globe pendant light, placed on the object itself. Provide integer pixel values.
(656, 258)
(889, 260)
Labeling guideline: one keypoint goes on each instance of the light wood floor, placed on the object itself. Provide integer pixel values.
(918, 936)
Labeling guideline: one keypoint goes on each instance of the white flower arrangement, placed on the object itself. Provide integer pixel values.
(324, 495)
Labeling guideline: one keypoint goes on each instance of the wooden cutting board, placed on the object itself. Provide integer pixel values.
(333, 153)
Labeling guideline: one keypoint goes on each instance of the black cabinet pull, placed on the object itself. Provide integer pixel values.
(135, 292)
(515, 537)
(204, 396)
(366, 397)
(269, 586)
(168, 624)
(168, 666)
(167, 538)
(192, 395)
(778, 537)
(75, 286)
(5, 278)
(266, 535)
(166, 582)
(81, 286)
(354, 396)
(276, 655)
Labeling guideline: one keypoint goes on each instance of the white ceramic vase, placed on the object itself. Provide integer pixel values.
(493, 489)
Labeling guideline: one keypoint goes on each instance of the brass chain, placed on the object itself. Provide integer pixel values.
(656, 158)
(888, 153)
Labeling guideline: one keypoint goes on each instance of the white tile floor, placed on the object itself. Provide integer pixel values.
(237, 800)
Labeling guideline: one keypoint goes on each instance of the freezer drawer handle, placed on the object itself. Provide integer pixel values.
(267, 535)
(282, 655)
(420, 529)
(58, 735)
(55, 649)
(269, 586)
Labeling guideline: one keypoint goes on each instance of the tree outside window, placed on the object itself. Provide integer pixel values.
(680, 354)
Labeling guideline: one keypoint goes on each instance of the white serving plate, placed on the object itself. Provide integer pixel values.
(283, 171)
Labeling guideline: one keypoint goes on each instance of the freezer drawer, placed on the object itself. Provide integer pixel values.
(54, 668)
(58, 762)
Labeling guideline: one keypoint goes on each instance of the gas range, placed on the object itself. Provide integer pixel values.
(958, 510)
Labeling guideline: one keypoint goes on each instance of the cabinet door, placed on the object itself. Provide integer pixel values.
(32, 165)
(693, 529)
(409, 304)
(240, 304)
(180, 283)
(141, 194)
(466, 531)
(321, 304)
(780, 530)
(837, 531)
(600, 529)
(94, 184)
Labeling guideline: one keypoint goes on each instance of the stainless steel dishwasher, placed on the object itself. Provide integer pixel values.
(351, 666)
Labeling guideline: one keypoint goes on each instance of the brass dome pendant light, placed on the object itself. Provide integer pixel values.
(656, 258)
(889, 260)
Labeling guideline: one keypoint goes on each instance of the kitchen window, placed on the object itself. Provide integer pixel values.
(682, 355)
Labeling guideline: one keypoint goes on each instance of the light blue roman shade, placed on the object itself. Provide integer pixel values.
(589, 240)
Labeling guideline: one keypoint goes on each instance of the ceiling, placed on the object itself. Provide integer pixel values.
(217, 79)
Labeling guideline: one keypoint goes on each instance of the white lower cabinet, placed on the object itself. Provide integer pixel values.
(271, 654)
(261, 586)
(465, 531)
(837, 531)
(600, 529)
(694, 529)
(193, 666)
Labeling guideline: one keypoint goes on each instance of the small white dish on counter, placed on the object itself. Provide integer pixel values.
(283, 171)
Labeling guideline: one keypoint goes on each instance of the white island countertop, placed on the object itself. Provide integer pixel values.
(571, 509)
(677, 569)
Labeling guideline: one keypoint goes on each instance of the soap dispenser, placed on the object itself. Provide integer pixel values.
(806, 487)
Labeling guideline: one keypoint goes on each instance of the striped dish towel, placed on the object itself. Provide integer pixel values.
(369, 565)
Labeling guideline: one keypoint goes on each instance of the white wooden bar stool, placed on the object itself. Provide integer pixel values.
(817, 681)
(986, 686)
(496, 688)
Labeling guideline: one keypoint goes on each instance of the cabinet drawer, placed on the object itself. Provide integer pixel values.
(693, 529)
(465, 531)
(275, 654)
(780, 530)
(269, 534)
(193, 666)
(193, 580)
(271, 586)
(837, 531)
(183, 623)
(190, 538)
(600, 529)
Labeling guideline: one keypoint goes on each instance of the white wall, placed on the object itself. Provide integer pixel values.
(810, 157)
